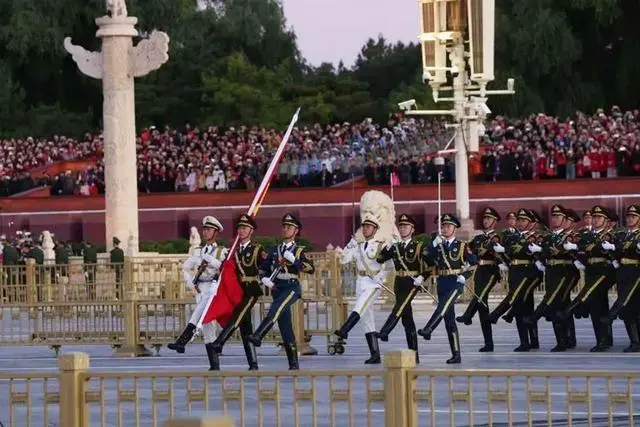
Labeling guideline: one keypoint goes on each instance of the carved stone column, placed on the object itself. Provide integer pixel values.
(117, 65)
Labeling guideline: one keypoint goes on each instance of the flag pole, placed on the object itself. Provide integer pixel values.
(257, 199)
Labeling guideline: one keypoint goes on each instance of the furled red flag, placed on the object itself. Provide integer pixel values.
(395, 181)
(227, 297)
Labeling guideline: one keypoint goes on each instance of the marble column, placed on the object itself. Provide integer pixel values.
(117, 65)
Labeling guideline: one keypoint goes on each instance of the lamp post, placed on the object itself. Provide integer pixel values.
(447, 27)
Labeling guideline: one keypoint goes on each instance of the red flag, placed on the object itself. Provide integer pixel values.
(227, 297)
(395, 181)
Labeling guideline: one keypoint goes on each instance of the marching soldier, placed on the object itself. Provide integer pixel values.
(371, 277)
(587, 220)
(452, 259)
(411, 271)
(206, 262)
(558, 269)
(249, 259)
(511, 224)
(573, 219)
(522, 275)
(599, 276)
(485, 277)
(284, 262)
(627, 249)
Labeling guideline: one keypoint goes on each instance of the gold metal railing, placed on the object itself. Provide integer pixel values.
(398, 395)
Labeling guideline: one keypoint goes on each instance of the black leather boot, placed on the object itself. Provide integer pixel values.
(343, 332)
(183, 339)
(487, 333)
(534, 343)
(388, 326)
(560, 331)
(609, 335)
(412, 342)
(509, 316)
(632, 331)
(257, 337)
(499, 311)
(571, 333)
(292, 356)
(537, 314)
(372, 342)
(523, 333)
(454, 343)
(250, 352)
(467, 316)
(601, 338)
(222, 338)
(430, 326)
(214, 358)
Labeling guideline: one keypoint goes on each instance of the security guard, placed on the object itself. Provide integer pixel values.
(285, 262)
(599, 276)
(206, 263)
(371, 276)
(411, 271)
(452, 259)
(249, 259)
(520, 254)
(485, 277)
(627, 252)
(557, 265)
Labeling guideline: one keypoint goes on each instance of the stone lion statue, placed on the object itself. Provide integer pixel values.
(379, 205)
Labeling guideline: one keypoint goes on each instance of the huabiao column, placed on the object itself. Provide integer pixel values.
(117, 65)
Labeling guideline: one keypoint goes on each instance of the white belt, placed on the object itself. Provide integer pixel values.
(286, 276)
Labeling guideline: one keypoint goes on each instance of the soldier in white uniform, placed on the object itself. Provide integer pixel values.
(201, 272)
(371, 275)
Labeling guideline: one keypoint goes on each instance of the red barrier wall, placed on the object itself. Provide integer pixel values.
(327, 214)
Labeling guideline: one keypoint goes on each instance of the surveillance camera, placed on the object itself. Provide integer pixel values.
(510, 84)
(407, 105)
(482, 107)
(426, 77)
(438, 161)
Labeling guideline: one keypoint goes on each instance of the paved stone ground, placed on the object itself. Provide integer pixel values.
(41, 360)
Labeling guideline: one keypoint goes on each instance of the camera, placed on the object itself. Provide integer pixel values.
(407, 105)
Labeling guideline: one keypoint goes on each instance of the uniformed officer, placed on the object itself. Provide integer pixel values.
(557, 265)
(452, 259)
(249, 258)
(411, 271)
(485, 277)
(520, 252)
(116, 256)
(285, 262)
(511, 224)
(573, 220)
(200, 272)
(587, 220)
(599, 276)
(627, 253)
(371, 276)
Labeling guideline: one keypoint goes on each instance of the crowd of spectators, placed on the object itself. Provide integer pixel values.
(602, 145)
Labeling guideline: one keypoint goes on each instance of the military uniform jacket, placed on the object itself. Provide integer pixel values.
(627, 253)
(365, 255)
(517, 250)
(590, 248)
(451, 259)
(553, 252)
(210, 273)
(408, 259)
(250, 259)
(288, 273)
(482, 247)
(117, 255)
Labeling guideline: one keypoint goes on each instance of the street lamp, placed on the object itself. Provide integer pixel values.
(461, 31)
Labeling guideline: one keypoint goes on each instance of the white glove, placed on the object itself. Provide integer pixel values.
(533, 248)
(568, 246)
(379, 278)
(498, 248)
(615, 263)
(352, 243)
(418, 281)
(209, 259)
(540, 266)
(461, 279)
(437, 241)
(267, 282)
(608, 246)
(579, 265)
(288, 255)
(503, 267)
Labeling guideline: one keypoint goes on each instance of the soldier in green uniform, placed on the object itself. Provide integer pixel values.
(599, 276)
(511, 224)
(116, 257)
(485, 276)
(573, 219)
(35, 252)
(249, 257)
(519, 252)
(626, 248)
(558, 269)
(411, 271)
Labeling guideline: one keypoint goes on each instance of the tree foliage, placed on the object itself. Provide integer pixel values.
(238, 62)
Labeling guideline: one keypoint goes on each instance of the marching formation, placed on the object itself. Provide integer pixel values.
(524, 255)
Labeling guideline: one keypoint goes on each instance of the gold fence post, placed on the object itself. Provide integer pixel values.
(30, 277)
(340, 310)
(399, 407)
(297, 318)
(130, 309)
(73, 411)
(199, 422)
